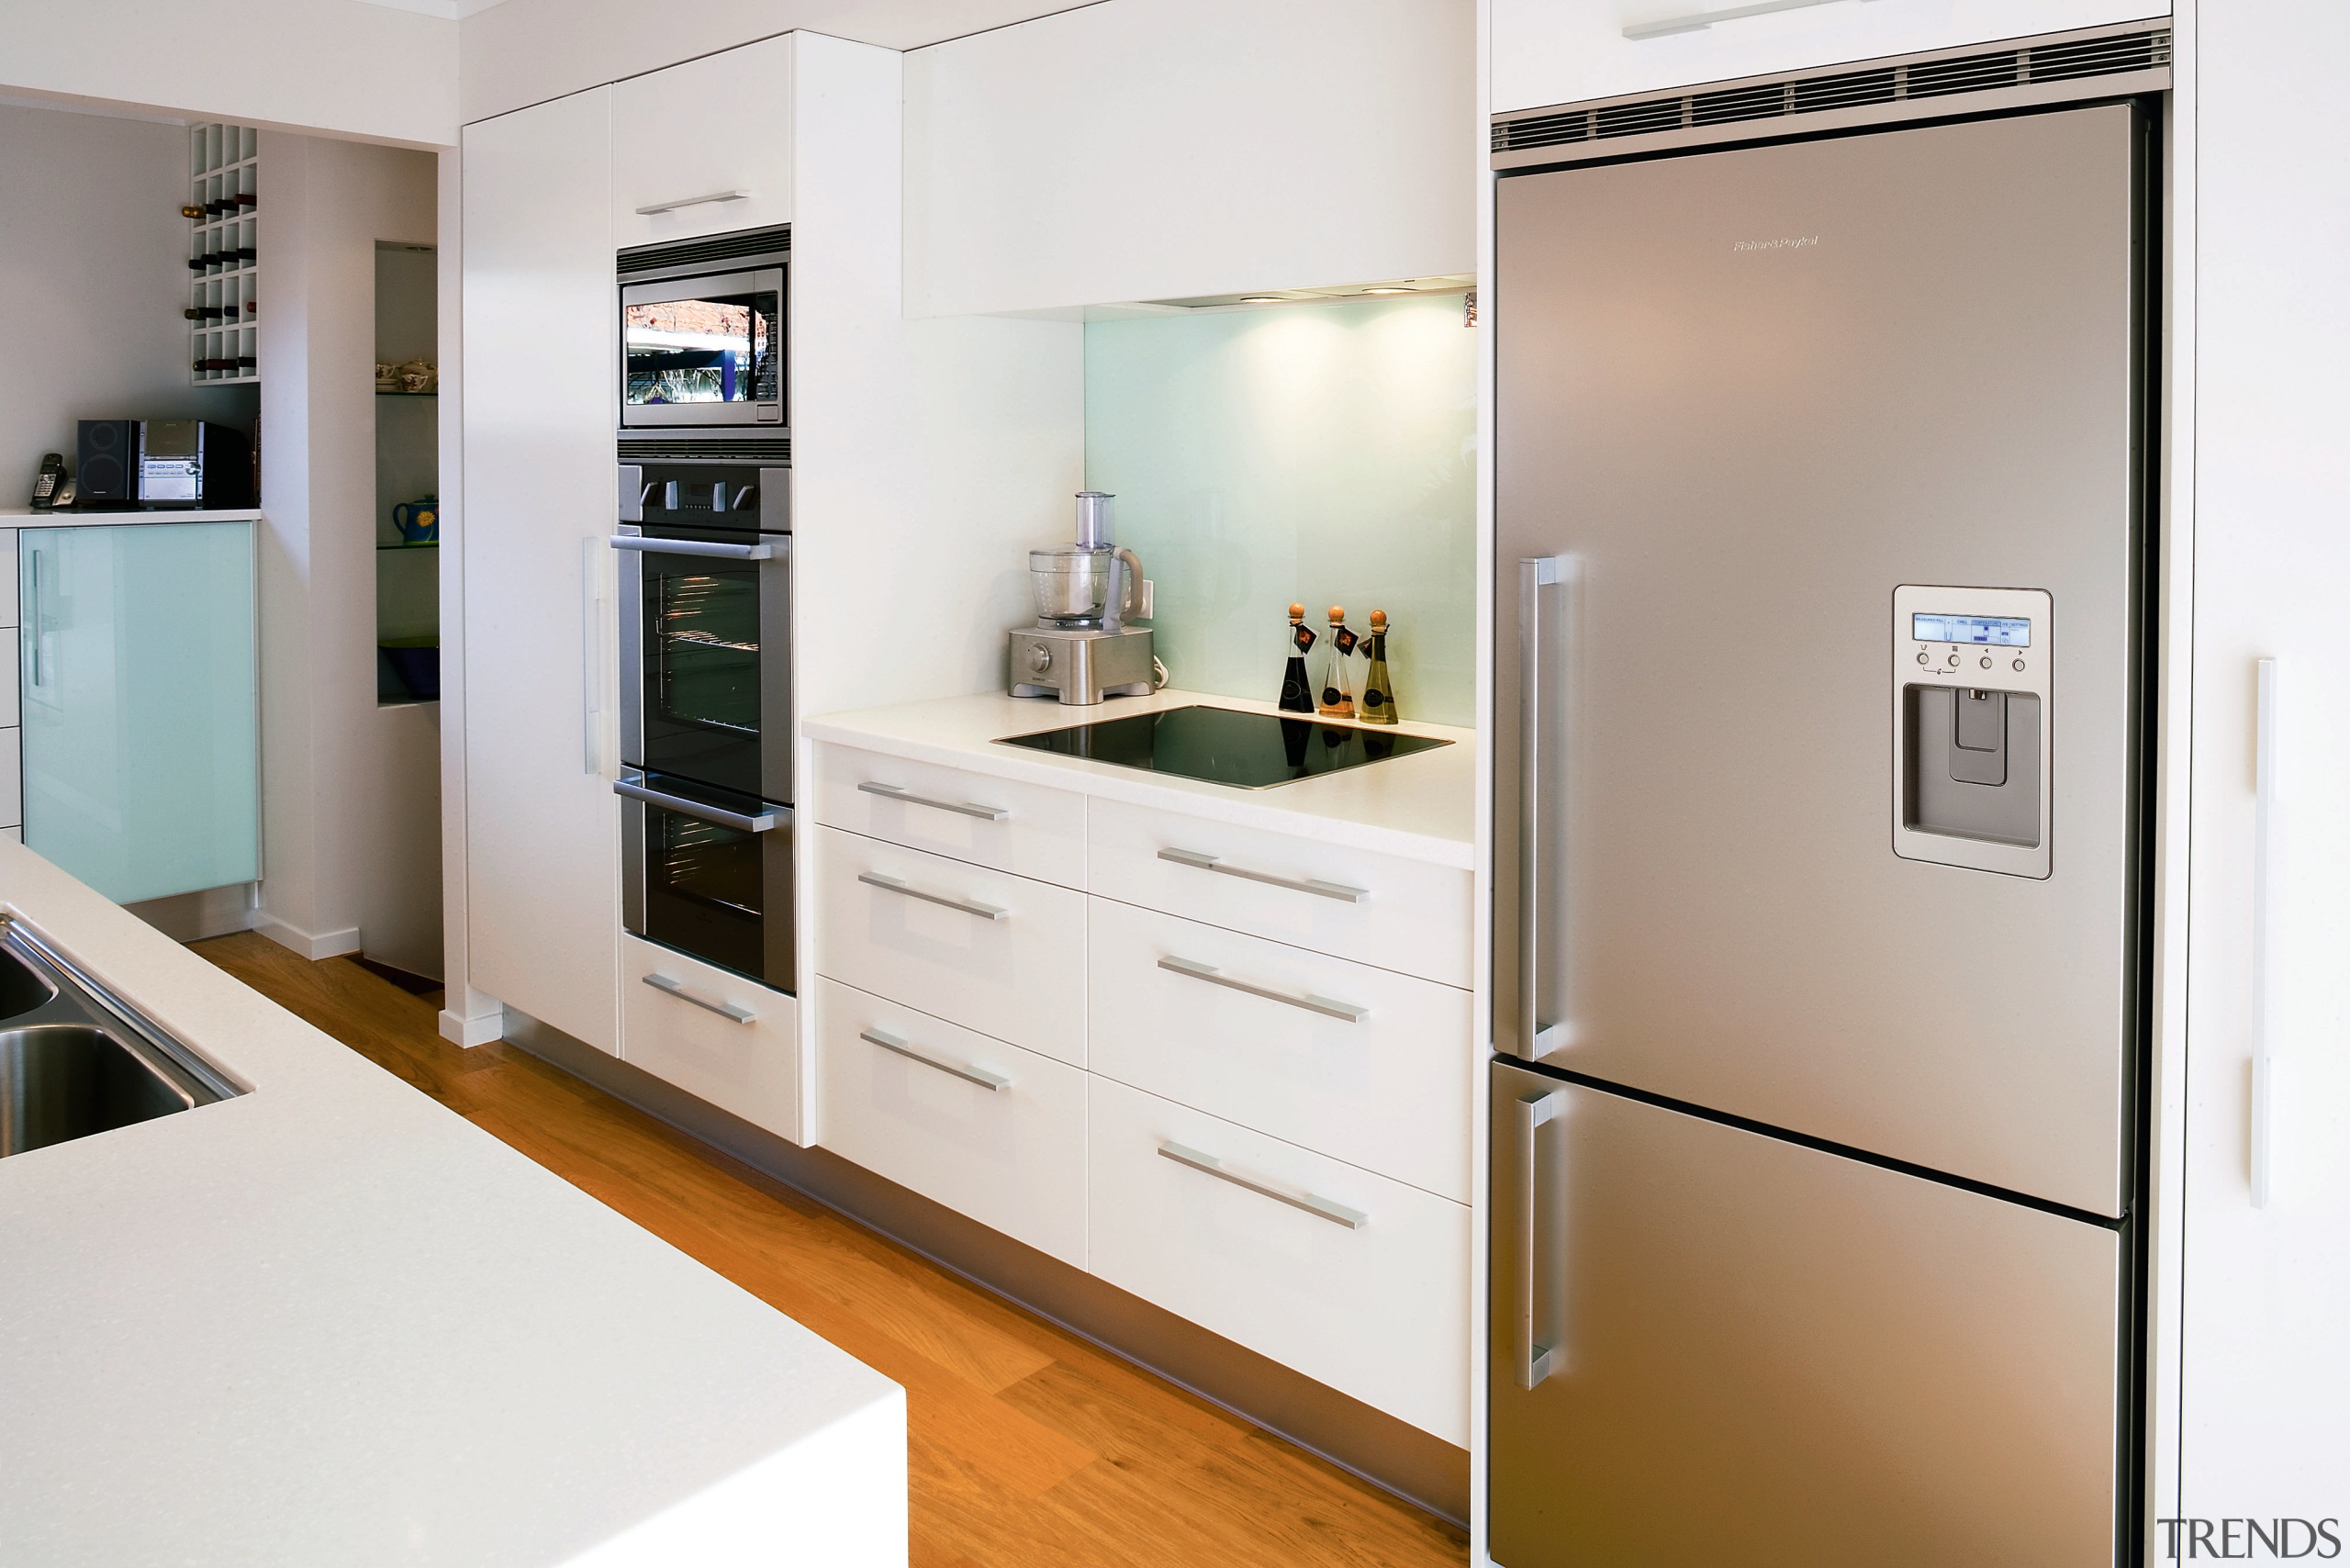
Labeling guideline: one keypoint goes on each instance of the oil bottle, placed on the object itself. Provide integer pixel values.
(1337, 698)
(1378, 687)
(1297, 689)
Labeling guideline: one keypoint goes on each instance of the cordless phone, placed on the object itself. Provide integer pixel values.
(52, 476)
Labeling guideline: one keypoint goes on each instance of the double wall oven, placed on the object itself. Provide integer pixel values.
(704, 547)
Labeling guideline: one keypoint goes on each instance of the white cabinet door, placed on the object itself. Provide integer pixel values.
(1563, 52)
(1362, 1064)
(543, 830)
(999, 954)
(1355, 1281)
(713, 1034)
(988, 1129)
(703, 148)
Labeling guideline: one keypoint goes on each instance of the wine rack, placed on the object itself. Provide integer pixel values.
(223, 258)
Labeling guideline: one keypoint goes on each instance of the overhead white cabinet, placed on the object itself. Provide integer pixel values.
(542, 827)
(703, 148)
(1564, 52)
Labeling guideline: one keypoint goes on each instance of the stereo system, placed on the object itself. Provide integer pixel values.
(163, 464)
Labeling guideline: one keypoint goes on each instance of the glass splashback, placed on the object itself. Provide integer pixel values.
(1321, 453)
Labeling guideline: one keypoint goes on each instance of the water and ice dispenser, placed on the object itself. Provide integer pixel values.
(1971, 727)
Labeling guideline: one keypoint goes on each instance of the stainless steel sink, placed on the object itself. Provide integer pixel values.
(75, 1059)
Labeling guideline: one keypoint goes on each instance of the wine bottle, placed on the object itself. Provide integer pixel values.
(1378, 685)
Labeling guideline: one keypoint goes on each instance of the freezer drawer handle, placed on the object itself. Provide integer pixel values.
(889, 884)
(1295, 1197)
(683, 202)
(693, 547)
(1314, 885)
(1345, 1012)
(968, 808)
(1535, 1361)
(978, 1075)
(765, 822)
(724, 1009)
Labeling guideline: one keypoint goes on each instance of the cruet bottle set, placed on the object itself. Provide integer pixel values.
(1328, 691)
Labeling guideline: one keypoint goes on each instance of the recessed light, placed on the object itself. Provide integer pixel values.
(1391, 289)
(1262, 299)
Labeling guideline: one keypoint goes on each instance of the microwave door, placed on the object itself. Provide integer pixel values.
(703, 350)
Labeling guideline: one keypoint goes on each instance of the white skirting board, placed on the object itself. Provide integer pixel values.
(314, 946)
(192, 917)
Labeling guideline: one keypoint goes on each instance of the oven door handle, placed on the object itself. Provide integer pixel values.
(694, 547)
(767, 821)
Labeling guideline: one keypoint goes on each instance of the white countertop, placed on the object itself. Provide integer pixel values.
(1423, 806)
(25, 517)
(331, 1322)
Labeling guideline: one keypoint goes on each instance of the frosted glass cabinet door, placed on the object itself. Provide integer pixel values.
(137, 671)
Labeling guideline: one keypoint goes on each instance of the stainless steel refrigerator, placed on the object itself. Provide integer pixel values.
(1824, 553)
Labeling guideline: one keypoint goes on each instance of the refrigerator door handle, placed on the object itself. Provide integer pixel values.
(1535, 1361)
(1534, 573)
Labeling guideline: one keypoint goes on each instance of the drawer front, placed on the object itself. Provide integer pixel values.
(999, 954)
(988, 1129)
(12, 777)
(1030, 829)
(1361, 1064)
(1377, 1308)
(1377, 909)
(675, 1025)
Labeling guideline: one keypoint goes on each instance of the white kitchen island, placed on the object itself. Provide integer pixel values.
(329, 1321)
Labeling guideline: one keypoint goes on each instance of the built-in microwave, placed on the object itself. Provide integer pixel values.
(703, 333)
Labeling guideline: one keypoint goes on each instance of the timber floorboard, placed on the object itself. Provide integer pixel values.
(1027, 1446)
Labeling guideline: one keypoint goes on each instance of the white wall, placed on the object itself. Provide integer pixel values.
(338, 66)
(526, 51)
(325, 769)
(2265, 1357)
(94, 267)
(1162, 148)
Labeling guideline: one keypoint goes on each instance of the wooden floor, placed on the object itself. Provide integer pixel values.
(1027, 1447)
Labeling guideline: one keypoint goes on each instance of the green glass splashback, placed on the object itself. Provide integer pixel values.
(136, 676)
(1321, 453)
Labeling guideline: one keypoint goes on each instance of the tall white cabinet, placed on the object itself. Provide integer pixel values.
(542, 837)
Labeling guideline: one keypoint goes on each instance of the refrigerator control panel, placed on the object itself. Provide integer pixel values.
(1973, 728)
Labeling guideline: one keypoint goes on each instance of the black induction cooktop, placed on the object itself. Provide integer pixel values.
(1224, 745)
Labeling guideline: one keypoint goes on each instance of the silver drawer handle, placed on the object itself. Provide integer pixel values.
(1346, 1011)
(1314, 885)
(724, 1009)
(1295, 1197)
(683, 202)
(978, 1075)
(969, 906)
(724, 551)
(967, 809)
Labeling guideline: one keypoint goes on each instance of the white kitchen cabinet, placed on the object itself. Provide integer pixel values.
(1563, 52)
(1032, 829)
(713, 1034)
(542, 828)
(1354, 1280)
(1407, 915)
(986, 1128)
(704, 147)
(12, 778)
(999, 954)
(1361, 1064)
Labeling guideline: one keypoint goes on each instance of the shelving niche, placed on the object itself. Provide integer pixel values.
(224, 265)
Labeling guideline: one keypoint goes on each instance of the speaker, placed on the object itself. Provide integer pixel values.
(105, 467)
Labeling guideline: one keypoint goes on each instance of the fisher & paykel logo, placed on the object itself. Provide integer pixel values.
(1792, 242)
(2193, 1538)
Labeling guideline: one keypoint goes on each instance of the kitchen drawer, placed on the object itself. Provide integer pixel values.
(1356, 1280)
(1361, 1064)
(12, 777)
(672, 1026)
(1411, 916)
(1001, 953)
(988, 1129)
(1032, 829)
(707, 127)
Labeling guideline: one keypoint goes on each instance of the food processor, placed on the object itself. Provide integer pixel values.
(1081, 649)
